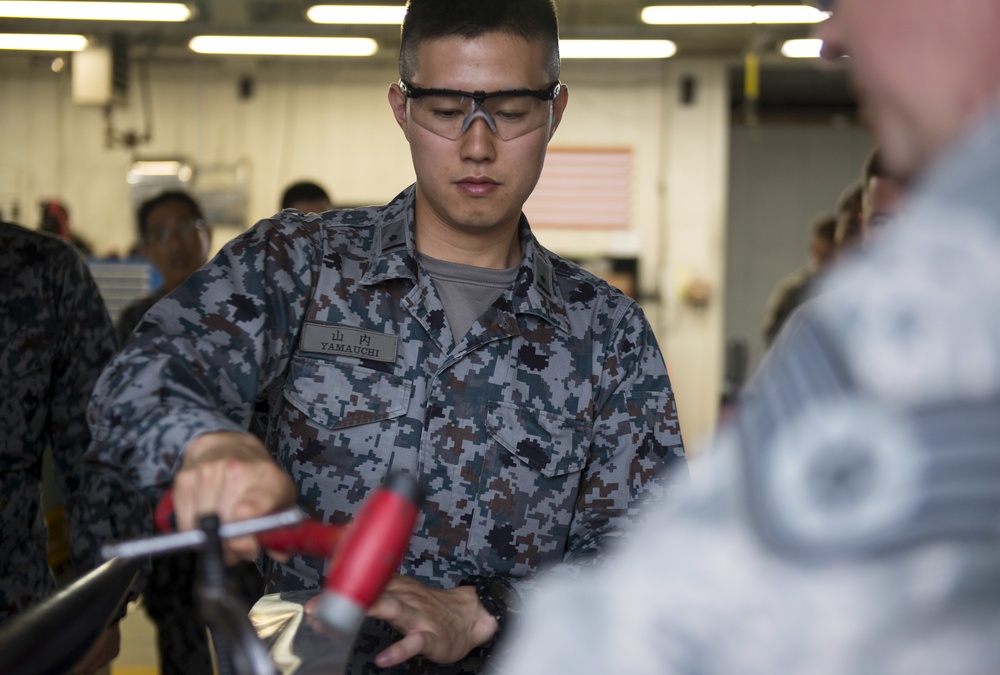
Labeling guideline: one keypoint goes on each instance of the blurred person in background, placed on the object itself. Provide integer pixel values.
(55, 220)
(882, 195)
(307, 197)
(797, 287)
(56, 339)
(847, 235)
(175, 239)
(846, 522)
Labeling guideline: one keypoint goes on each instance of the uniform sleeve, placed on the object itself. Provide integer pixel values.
(636, 450)
(99, 507)
(127, 320)
(197, 361)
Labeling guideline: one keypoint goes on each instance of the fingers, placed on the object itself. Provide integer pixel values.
(410, 646)
(400, 604)
(231, 475)
(442, 625)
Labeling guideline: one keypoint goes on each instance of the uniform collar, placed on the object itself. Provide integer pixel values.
(394, 257)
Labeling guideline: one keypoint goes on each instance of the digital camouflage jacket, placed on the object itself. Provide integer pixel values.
(536, 436)
(56, 339)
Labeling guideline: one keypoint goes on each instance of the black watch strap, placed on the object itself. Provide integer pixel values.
(498, 597)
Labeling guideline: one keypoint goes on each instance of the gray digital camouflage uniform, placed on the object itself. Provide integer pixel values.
(847, 523)
(56, 338)
(536, 436)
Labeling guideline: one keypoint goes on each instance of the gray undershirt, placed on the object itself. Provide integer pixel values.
(466, 291)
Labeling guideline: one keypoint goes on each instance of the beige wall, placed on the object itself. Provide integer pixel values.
(332, 123)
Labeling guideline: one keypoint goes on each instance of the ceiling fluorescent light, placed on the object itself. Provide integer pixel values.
(283, 46)
(357, 14)
(730, 14)
(616, 49)
(142, 169)
(43, 42)
(100, 11)
(802, 49)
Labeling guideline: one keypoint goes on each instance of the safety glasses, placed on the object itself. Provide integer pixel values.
(509, 114)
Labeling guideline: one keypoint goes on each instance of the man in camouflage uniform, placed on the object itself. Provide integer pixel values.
(433, 335)
(847, 522)
(56, 338)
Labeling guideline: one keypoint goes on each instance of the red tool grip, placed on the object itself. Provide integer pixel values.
(374, 544)
(307, 538)
(163, 516)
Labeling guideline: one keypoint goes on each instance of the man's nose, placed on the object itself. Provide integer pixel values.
(478, 140)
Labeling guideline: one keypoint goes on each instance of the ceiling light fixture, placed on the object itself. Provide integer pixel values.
(283, 46)
(143, 169)
(730, 14)
(357, 14)
(49, 42)
(99, 11)
(617, 49)
(802, 49)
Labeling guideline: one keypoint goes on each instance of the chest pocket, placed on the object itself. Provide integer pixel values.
(528, 488)
(548, 444)
(341, 395)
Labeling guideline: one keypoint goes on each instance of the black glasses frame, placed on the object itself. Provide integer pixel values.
(548, 94)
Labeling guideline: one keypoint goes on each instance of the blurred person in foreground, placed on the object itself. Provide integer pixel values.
(307, 197)
(175, 239)
(56, 339)
(847, 521)
(433, 335)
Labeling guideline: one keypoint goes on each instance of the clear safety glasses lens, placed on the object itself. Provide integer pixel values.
(508, 114)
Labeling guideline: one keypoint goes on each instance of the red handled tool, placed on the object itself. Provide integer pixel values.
(365, 553)
(281, 531)
(369, 553)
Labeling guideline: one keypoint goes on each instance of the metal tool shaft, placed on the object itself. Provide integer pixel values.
(189, 539)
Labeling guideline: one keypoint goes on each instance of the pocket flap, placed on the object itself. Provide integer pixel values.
(339, 395)
(550, 444)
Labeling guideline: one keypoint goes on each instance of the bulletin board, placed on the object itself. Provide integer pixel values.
(583, 188)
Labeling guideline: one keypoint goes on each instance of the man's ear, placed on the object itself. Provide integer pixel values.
(398, 104)
(558, 107)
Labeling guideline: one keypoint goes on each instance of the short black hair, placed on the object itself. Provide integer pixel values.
(164, 198)
(428, 19)
(302, 191)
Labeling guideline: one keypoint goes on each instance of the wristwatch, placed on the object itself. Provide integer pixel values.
(498, 597)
